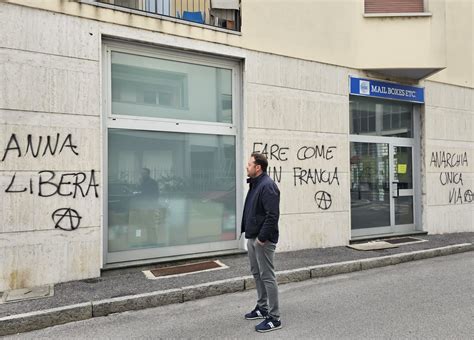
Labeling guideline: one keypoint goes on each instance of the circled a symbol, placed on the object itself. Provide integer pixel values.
(469, 196)
(323, 200)
(66, 219)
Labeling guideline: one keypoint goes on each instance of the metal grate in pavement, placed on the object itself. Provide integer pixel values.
(404, 240)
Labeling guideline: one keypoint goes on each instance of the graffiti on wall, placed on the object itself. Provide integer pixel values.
(450, 165)
(35, 146)
(49, 183)
(302, 175)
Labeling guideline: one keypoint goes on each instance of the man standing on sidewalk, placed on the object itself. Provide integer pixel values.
(260, 224)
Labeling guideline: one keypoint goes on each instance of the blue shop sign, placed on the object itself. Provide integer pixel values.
(381, 89)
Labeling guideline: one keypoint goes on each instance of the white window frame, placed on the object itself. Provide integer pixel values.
(110, 120)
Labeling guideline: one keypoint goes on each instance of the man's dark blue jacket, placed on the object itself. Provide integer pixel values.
(262, 209)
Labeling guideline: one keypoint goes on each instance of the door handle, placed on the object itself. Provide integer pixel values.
(395, 190)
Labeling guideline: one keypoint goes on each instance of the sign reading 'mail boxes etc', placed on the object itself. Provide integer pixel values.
(381, 89)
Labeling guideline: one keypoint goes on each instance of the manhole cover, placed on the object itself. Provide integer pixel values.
(27, 294)
(404, 240)
(184, 269)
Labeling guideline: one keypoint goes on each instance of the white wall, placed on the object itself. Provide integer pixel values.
(50, 87)
(449, 134)
(290, 105)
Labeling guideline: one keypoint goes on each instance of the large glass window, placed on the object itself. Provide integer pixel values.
(161, 88)
(169, 189)
(370, 116)
(171, 153)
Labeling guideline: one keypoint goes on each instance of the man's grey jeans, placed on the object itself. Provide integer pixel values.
(263, 271)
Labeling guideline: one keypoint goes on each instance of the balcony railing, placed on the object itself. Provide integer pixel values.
(216, 13)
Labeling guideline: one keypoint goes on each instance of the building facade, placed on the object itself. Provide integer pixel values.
(126, 126)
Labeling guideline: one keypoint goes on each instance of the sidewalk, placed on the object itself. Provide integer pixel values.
(129, 289)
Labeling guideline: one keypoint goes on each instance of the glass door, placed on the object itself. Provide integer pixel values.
(370, 185)
(384, 138)
(382, 192)
(402, 185)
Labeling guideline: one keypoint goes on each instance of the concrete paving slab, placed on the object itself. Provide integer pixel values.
(27, 294)
(374, 245)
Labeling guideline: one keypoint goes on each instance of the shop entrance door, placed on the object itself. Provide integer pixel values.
(382, 186)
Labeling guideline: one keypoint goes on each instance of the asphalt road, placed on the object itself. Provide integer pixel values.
(429, 299)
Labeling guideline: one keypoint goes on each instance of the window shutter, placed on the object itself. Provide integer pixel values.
(393, 6)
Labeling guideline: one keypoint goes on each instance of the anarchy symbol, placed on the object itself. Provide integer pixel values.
(323, 200)
(72, 215)
(469, 196)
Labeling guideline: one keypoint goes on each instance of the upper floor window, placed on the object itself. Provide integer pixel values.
(393, 6)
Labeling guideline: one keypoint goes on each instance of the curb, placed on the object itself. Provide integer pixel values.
(41, 319)
(136, 302)
(27, 322)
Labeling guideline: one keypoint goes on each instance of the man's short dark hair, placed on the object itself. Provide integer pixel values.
(261, 160)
